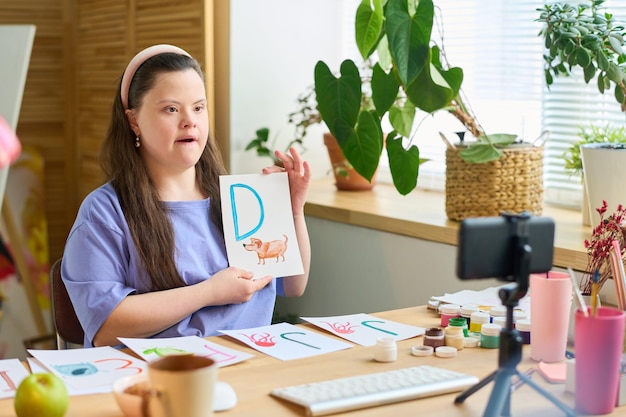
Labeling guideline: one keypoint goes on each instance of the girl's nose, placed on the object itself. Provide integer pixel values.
(188, 119)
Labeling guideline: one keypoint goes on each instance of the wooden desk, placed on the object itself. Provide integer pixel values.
(254, 378)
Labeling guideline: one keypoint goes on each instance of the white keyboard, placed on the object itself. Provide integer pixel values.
(369, 390)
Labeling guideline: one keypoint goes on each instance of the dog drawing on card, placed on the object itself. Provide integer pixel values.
(267, 250)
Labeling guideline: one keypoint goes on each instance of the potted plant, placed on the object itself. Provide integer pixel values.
(592, 134)
(410, 72)
(305, 115)
(587, 37)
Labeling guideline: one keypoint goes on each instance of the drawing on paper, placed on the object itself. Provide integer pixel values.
(163, 351)
(77, 369)
(341, 328)
(267, 250)
(263, 339)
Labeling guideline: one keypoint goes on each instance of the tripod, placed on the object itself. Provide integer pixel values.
(510, 352)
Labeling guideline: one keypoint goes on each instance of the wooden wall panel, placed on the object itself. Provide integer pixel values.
(42, 116)
(80, 51)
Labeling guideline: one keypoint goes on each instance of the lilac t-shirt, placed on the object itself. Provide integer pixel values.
(100, 267)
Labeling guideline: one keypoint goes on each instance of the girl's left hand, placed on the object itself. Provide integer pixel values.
(299, 174)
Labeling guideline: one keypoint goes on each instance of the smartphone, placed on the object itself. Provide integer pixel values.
(488, 246)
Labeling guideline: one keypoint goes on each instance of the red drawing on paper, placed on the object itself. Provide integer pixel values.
(341, 328)
(214, 353)
(10, 384)
(263, 340)
(267, 250)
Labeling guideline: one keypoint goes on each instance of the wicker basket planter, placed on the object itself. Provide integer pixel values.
(513, 183)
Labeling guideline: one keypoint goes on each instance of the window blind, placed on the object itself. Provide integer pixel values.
(495, 42)
(568, 105)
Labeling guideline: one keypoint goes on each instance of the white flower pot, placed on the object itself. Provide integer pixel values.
(604, 170)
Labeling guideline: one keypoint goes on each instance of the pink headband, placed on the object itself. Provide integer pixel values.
(139, 59)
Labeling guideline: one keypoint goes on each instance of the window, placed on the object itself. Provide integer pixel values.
(496, 43)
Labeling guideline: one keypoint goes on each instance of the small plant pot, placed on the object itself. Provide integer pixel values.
(346, 178)
(604, 167)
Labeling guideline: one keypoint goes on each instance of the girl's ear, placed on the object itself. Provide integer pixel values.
(132, 120)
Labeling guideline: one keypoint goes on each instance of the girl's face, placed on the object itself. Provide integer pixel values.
(172, 122)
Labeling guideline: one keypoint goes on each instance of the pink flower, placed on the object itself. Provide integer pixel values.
(599, 246)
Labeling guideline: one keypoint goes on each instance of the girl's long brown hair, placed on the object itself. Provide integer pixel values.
(146, 215)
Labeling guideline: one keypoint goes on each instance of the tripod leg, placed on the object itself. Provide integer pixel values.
(568, 411)
(500, 396)
(465, 394)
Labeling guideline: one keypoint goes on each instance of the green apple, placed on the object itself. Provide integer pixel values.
(41, 395)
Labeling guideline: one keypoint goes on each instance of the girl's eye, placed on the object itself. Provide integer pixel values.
(170, 109)
(199, 108)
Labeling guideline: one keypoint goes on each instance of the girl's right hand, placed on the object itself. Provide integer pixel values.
(234, 286)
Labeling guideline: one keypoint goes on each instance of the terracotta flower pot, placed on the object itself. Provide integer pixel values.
(346, 178)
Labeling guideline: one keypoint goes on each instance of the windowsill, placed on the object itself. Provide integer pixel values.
(421, 214)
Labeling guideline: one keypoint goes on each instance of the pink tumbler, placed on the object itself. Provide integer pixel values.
(598, 344)
(550, 304)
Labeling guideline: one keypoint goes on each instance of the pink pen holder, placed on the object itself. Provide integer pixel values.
(598, 346)
(550, 303)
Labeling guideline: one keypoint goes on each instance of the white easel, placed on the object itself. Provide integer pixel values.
(16, 43)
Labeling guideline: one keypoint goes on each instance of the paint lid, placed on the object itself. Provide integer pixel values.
(501, 321)
(458, 322)
(468, 309)
(523, 325)
(479, 317)
(445, 351)
(490, 329)
(434, 331)
(519, 315)
(422, 350)
(470, 342)
(449, 309)
(497, 311)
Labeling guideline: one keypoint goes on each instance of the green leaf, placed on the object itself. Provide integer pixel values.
(430, 91)
(582, 57)
(364, 147)
(499, 139)
(368, 26)
(263, 134)
(589, 71)
(619, 95)
(616, 43)
(603, 62)
(614, 73)
(601, 86)
(338, 99)
(403, 163)
(480, 153)
(401, 118)
(409, 37)
(384, 89)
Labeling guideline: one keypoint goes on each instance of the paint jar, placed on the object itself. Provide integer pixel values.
(497, 311)
(454, 337)
(459, 322)
(433, 337)
(523, 328)
(490, 336)
(477, 319)
(500, 321)
(467, 310)
(449, 311)
(386, 350)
